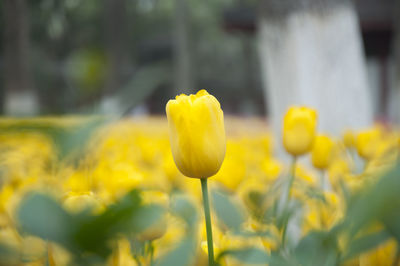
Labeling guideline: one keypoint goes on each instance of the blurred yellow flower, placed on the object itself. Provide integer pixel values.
(367, 143)
(79, 201)
(233, 170)
(272, 168)
(384, 255)
(349, 139)
(322, 152)
(197, 134)
(323, 214)
(299, 126)
(115, 164)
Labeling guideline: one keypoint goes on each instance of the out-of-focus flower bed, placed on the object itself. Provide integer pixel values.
(80, 191)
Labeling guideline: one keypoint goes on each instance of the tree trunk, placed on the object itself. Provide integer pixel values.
(311, 54)
(20, 98)
(182, 56)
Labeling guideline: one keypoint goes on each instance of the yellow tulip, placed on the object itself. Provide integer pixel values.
(299, 126)
(197, 134)
(367, 143)
(322, 152)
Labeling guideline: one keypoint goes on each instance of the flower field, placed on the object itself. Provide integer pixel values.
(90, 191)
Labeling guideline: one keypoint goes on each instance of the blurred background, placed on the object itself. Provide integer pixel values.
(62, 61)
(256, 56)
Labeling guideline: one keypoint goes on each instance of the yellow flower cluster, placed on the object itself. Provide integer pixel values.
(135, 154)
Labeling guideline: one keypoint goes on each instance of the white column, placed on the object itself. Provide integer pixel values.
(316, 59)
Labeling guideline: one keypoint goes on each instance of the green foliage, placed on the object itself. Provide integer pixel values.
(8, 255)
(70, 142)
(317, 248)
(364, 244)
(42, 216)
(227, 210)
(248, 255)
(87, 236)
(182, 255)
(377, 204)
(183, 208)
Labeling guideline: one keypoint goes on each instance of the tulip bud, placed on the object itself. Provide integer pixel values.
(197, 134)
(299, 126)
(322, 152)
(367, 143)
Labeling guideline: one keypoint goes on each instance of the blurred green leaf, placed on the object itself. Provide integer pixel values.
(365, 243)
(317, 248)
(255, 201)
(282, 217)
(94, 232)
(245, 233)
(279, 259)
(182, 255)
(9, 256)
(379, 202)
(137, 246)
(227, 210)
(183, 208)
(42, 216)
(145, 217)
(314, 193)
(83, 233)
(67, 139)
(248, 255)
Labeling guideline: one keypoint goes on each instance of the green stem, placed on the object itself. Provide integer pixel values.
(322, 179)
(286, 203)
(397, 257)
(207, 215)
(151, 251)
(137, 260)
(284, 232)
(291, 180)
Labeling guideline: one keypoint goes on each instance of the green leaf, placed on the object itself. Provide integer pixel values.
(9, 256)
(248, 255)
(246, 233)
(317, 248)
(137, 247)
(286, 214)
(83, 233)
(183, 208)
(93, 233)
(379, 202)
(227, 210)
(182, 255)
(145, 217)
(42, 216)
(254, 202)
(365, 243)
(315, 193)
